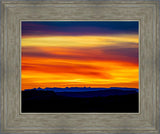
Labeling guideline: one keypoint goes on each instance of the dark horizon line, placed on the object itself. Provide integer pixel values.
(83, 88)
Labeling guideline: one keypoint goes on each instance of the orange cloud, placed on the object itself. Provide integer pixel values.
(80, 61)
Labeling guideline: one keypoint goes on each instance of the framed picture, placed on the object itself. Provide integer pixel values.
(80, 66)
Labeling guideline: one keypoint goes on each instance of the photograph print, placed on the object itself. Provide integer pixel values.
(79, 67)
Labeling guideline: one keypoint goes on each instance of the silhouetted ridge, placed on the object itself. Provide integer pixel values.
(82, 89)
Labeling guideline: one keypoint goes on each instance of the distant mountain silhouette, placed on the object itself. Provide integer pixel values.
(82, 89)
(80, 100)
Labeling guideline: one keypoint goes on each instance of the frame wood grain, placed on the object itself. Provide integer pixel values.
(144, 11)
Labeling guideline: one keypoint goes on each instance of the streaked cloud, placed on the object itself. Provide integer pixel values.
(79, 41)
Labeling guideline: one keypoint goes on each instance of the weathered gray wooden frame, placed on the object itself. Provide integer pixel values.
(144, 11)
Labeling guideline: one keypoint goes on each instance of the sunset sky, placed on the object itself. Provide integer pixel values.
(78, 54)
